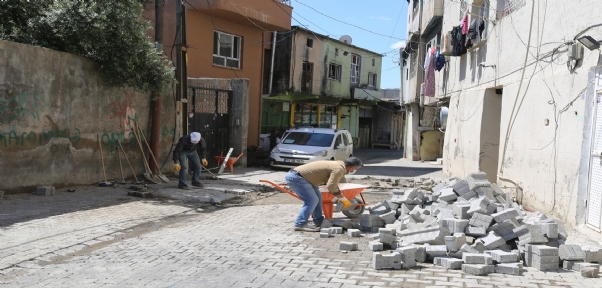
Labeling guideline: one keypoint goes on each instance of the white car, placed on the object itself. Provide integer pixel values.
(303, 145)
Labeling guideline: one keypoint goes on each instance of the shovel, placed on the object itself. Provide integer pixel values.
(128, 160)
(106, 183)
(161, 176)
(148, 175)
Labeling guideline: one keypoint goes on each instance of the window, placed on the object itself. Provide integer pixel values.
(226, 49)
(372, 79)
(309, 139)
(356, 62)
(511, 6)
(373, 61)
(338, 142)
(306, 76)
(334, 72)
(310, 43)
(345, 139)
(336, 51)
(480, 8)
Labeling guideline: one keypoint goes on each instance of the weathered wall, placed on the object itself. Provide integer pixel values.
(543, 159)
(302, 53)
(52, 107)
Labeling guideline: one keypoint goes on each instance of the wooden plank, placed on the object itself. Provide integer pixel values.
(221, 168)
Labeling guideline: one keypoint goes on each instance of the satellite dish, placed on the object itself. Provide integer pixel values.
(345, 39)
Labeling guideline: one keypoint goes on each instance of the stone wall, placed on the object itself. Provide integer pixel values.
(53, 108)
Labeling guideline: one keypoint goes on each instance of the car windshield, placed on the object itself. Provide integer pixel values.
(308, 139)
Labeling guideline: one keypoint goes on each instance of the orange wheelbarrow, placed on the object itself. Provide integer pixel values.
(231, 160)
(349, 190)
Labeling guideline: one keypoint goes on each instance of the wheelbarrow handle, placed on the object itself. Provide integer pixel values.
(280, 188)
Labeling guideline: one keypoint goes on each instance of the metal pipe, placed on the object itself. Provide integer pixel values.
(272, 64)
(155, 129)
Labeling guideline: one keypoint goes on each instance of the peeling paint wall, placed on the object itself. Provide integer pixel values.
(53, 105)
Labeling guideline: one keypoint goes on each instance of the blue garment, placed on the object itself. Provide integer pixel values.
(192, 158)
(440, 62)
(311, 196)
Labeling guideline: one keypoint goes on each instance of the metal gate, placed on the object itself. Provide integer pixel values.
(594, 201)
(211, 112)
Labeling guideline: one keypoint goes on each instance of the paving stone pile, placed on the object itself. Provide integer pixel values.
(468, 224)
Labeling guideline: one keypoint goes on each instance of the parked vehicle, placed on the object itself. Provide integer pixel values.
(303, 145)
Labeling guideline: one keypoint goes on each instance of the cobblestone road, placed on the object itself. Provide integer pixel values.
(98, 237)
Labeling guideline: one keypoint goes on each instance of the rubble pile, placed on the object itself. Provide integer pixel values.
(472, 225)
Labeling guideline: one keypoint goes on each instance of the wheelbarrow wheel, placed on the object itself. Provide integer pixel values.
(355, 212)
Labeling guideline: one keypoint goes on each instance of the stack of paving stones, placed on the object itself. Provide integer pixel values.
(468, 224)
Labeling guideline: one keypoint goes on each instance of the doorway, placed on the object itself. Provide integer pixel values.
(490, 133)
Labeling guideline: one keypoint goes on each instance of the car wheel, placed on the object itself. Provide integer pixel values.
(355, 212)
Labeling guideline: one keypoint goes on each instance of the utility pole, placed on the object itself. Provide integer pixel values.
(156, 97)
(181, 73)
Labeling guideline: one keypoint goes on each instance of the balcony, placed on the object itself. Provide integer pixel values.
(273, 15)
(432, 13)
(414, 21)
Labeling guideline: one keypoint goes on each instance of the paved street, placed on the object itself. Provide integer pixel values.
(99, 237)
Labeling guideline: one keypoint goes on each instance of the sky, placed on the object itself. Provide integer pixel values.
(384, 20)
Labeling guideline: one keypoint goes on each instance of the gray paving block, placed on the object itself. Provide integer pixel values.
(383, 261)
(448, 262)
(571, 252)
(448, 194)
(568, 264)
(593, 254)
(509, 268)
(471, 258)
(45, 191)
(421, 255)
(433, 251)
(479, 270)
(379, 208)
(326, 230)
(455, 242)
(461, 187)
(500, 256)
(454, 225)
(578, 266)
(480, 220)
(439, 187)
(336, 230)
(408, 256)
(354, 233)
(326, 223)
(368, 220)
(477, 179)
(505, 229)
(461, 210)
(388, 239)
(530, 234)
(389, 217)
(345, 223)
(550, 230)
(390, 231)
(485, 191)
(375, 246)
(478, 205)
(492, 241)
(475, 231)
(348, 246)
(541, 250)
(479, 246)
(505, 215)
(324, 234)
(430, 235)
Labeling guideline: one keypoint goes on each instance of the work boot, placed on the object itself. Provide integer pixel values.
(185, 187)
(198, 184)
(307, 228)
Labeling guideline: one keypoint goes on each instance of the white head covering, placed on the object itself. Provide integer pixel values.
(195, 137)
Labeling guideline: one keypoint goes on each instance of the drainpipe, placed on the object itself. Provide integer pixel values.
(272, 64)
(156, 97)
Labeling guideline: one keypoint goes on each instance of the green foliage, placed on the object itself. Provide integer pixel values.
(110, 32)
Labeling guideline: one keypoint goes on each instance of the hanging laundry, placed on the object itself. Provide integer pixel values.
(473, 36)
(458, 41)
(481, 28)
(465, 24)
(429, 75)
(440, 62)
(446, 49)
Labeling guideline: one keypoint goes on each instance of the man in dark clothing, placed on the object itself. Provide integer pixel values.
(184, 154)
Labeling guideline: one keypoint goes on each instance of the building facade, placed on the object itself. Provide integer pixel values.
(321, 82)
(523, 96)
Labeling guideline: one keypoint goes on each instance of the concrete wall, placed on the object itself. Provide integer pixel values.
(543, 158)
(53, 105)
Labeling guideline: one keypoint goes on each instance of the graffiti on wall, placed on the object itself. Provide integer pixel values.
(124, 113)
(14, 138)
(21, 107)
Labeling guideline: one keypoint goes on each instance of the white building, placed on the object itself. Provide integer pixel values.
(522, 100)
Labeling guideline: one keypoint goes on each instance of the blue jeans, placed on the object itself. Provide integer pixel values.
(311, 196)
(191, 158)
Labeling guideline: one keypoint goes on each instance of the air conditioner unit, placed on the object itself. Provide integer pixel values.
(575, 51)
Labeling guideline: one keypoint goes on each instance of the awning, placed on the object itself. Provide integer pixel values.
(310, 98)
